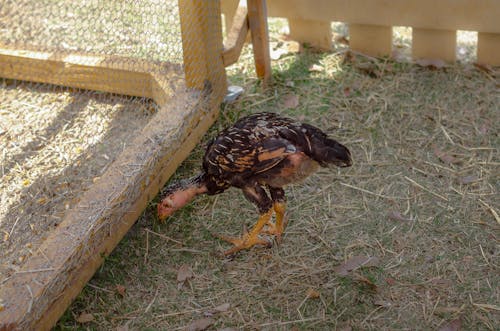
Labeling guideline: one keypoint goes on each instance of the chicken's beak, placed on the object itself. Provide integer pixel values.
(165, 208)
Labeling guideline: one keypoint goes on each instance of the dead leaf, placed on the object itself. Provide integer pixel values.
(277, 53)
(371, 69)
(372, 286)
(445, 157)
(454, 325)
(341, 40)
(356, 262)
(348, 57)
(222, 308)
(484, 68)
(431, 63)
(468, 179)
(383, 303)
(120, 289)
(183, 274)
(347, 91)
(219, 309)
(85, 318)
(312, 293)
(123, 327)
(396, 216)
(390, 281)
(201, 324)
(290, 101)
(316, 68)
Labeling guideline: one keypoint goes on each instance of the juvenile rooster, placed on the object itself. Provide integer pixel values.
(259, 152)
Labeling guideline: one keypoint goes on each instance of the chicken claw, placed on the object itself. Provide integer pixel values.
(249, 239)
(279, 227)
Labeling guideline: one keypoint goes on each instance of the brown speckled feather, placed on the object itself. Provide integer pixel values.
(250, 147)
(259, 147)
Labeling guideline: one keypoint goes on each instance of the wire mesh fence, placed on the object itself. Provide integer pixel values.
(80, 84)
(147, 29)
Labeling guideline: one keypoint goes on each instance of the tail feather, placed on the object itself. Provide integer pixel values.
(326, 150)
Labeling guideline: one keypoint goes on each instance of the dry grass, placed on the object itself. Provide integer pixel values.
(55, 143)
(421, 196)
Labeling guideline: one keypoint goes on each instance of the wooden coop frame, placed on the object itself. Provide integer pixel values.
(434, 24)
(36, 296)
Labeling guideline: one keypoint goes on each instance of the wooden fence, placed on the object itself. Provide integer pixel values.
(434, 24)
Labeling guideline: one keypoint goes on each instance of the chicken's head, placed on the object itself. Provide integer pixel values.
(177, 196)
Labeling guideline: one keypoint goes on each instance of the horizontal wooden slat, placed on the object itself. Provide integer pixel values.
(434, 44)
(102, 73)
(477, 15)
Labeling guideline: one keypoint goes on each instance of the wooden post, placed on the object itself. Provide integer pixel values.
(488, 48)
(202, 46)
(236, 36)
(257, 19)
(317, 34)
(373, 40)
(434, 44)
(228, 8)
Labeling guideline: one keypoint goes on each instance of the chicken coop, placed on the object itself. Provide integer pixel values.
(101, 101)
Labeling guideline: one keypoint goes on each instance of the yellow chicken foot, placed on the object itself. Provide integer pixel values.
(277, 228)
(249, 239)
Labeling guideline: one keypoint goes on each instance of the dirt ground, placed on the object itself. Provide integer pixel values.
(405, 239)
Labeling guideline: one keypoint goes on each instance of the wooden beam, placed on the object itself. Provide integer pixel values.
(102, 73)
(257, 21)
(202, 42)
(317, 34)
(229, 8)
(236, 37)
(371, 39)
(477, 15)
(488, 48)
(434, 44)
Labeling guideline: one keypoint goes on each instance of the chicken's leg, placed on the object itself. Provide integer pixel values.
(257, 195)
(249, 239)
(279, 206)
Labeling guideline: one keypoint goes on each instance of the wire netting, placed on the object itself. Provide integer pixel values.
(56, 141)
(147, 29)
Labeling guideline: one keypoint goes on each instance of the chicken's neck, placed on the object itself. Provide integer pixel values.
(180, 193)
